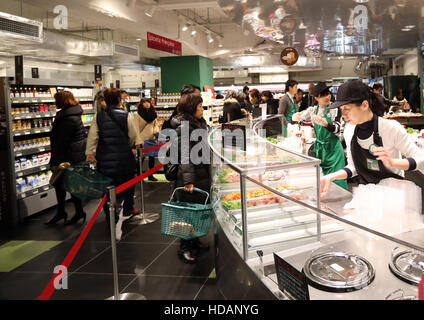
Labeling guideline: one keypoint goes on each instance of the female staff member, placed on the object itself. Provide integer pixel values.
(327, 147)
(374, 144)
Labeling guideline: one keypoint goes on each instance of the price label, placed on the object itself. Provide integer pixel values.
(43, 168)
(37, 131)
(19, 154)
(41, 149)
(19, 174)
(26, 101)
(17, 118)
(35, 191)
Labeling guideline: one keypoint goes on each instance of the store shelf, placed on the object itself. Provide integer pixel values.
(28, 132)
(34, 115)
(32, 170)
(26, 152)
(34, 191)
(44, 100)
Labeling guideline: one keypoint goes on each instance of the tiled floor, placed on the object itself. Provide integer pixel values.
(147, 261)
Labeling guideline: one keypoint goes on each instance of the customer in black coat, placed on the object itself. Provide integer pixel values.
(191, 175)
(68, 140)
(232, 109)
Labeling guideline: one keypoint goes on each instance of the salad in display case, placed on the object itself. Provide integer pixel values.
(266, 200)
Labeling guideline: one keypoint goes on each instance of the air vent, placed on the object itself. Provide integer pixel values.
(126, 50)
(18, 27)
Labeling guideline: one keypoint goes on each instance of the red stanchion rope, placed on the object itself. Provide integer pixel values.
(48, 291)
(156, 147)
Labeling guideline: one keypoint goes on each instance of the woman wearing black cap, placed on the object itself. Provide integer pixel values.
(327, 147)
(374, 145)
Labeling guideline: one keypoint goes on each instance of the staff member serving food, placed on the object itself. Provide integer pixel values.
(327, 147)
(374, 145)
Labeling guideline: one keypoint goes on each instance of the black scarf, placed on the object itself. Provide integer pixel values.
(148, 115)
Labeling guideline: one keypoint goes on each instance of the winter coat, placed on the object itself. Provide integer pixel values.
(272, 106)
(231, 111)
(190, 173)
(113, 154)
(68, 137)
(145, 130)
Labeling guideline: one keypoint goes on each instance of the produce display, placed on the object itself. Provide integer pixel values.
(272, 140)
(230, 176)
(412, 131)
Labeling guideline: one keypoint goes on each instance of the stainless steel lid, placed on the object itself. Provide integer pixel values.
(338, 271)
(400, 295)
(407, 265)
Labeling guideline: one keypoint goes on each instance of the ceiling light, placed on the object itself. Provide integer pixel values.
(410, 27)
(406, 29)
(210, 39)
(185, 27)
(220, 45)
(361, 1)
(193, 33)
(69, 65)
(150, 11)
(138, 39)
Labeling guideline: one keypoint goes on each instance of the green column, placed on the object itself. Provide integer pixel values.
(178, 71)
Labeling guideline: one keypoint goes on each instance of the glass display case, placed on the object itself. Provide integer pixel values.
(266, 201)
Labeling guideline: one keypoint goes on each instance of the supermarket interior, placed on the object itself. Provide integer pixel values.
(212, 150)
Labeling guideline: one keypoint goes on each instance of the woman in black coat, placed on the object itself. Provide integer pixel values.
(232, 109)
(191, 175)
(68, 140)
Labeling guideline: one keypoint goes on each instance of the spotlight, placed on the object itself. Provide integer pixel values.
(150, 11)
(193, 33)
(185, 27)
(210, 39)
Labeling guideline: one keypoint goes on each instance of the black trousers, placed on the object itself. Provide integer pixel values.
(126, 196)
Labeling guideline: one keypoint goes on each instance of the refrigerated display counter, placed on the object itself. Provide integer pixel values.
(273, 226)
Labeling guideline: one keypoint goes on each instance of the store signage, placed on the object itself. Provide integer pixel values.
(143, 85)
(234, 135)
(19, 70)
(157, 83)
(118, 84)
(421, 289)
(290, 280)
(289, 56)
(160, 43)
(35, 74)
(98, 72)
(211, 90)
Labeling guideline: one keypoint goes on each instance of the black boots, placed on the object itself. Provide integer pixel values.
(185, 252)
(152, 178)
(191, 249)
(79, 215)
(59, 216)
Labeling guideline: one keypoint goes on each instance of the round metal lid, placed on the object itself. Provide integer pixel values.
(407, 265)
(338, 272)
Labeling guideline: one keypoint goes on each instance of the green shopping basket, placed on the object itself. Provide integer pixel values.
(186, 220)
(85, 183)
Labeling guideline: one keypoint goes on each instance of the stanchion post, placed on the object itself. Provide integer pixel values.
(145, 218)
(112, 208)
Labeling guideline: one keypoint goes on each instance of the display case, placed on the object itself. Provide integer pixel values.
(268, 209)
(27, 113)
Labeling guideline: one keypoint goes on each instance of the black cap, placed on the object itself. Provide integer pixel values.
(350, 92)
(320, 87)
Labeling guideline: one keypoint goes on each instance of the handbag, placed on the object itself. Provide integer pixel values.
(171, 171)
(58, 173)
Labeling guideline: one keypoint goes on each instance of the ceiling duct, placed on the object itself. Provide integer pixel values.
(126, 50)
(20, 28)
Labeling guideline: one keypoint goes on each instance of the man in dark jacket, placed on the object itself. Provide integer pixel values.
(109, 144)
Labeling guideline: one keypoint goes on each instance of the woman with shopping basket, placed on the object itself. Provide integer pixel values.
(190, 175)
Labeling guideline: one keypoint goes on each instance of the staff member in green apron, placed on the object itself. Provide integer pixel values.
(287, 105)
(375, 145)
(327, 147)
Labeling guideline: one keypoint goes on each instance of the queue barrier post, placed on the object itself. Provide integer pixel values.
(144, 217)
(112, 209)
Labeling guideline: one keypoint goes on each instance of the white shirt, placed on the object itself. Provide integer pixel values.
(396, 141)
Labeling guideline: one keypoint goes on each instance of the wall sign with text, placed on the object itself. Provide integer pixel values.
(155, 41)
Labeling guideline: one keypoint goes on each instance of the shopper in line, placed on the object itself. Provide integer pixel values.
(124, 103)
(254, 98)
(288, 106)
(299, 97)
(375, 145)
(99, 101)
(110, 140)
(271, 103)
(246, 91)
(68, 141)
(327, 147)
(145, 122)
(232, 109)
(191, 175)
(186, 89)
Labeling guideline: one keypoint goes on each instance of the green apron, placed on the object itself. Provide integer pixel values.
(293, 109)
(329, 149)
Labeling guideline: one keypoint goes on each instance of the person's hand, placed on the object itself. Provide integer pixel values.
(91, 159)
(325, 184)
(384, 156)
(189, 188)
(320, 121)
(296, 117)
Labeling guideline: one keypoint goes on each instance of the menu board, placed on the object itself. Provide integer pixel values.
(234, 135)
(290, 280)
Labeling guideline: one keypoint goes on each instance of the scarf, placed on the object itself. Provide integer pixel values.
(148, 115)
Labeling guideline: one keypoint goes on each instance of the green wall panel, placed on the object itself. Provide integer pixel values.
(178, 71)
